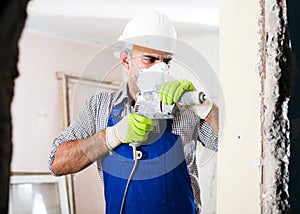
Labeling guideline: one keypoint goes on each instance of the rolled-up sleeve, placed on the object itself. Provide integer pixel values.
(84, 126)
(207, 136)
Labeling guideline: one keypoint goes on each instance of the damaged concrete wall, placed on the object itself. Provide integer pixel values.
(243, 188)
(274, 71)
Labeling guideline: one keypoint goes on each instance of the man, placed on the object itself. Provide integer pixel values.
(166, 178)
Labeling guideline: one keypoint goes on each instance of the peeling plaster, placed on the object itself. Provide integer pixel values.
(274, 71)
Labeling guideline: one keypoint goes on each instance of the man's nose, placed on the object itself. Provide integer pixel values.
(159, 59)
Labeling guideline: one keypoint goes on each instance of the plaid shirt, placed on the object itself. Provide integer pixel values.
(94, 117)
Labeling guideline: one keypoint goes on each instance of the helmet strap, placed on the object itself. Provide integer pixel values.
(132, 63)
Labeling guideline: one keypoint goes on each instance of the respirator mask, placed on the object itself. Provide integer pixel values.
(153, 77)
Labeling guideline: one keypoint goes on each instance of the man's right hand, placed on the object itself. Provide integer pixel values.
(132, 128)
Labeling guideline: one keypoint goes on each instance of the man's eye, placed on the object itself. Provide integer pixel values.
(149, 59)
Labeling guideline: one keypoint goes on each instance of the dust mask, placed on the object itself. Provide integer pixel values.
(153, 77)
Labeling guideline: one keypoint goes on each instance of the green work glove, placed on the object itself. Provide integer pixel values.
(171, 92)
(132, 128)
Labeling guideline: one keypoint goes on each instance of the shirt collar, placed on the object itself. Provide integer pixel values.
(122, 95)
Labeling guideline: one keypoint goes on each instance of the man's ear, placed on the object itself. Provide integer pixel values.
(124, 59)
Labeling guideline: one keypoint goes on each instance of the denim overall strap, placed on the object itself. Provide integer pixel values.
(161, 183)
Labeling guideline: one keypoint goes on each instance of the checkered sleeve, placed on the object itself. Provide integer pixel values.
(207, 136)
(191, 127)
(84, 126)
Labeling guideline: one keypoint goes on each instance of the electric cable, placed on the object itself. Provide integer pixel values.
(136, 156)
(127, 184)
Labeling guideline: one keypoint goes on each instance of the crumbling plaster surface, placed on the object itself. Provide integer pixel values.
(274, 71)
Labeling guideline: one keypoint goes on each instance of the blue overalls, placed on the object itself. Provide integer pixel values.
(161, 183)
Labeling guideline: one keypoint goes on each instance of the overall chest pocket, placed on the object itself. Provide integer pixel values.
(148, 185)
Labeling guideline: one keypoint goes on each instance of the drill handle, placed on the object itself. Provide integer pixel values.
(192, 98)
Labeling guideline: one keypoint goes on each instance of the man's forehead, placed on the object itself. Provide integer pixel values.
(138, 48)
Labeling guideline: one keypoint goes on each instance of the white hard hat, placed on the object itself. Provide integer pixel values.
(153, 30)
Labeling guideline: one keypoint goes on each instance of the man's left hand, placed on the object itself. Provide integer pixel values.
(171, 91)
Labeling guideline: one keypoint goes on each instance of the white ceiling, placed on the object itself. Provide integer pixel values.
(101, 21)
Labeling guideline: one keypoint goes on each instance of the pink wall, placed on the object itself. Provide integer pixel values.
(36, 107)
